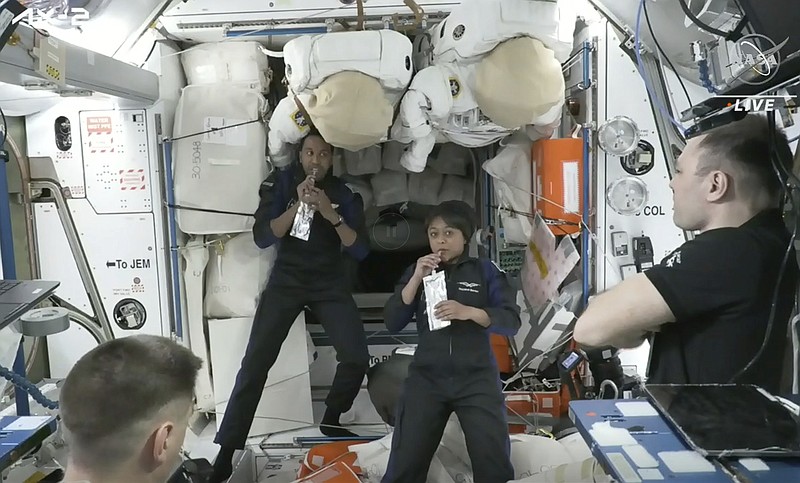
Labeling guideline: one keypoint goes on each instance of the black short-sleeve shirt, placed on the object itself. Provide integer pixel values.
(720, 287)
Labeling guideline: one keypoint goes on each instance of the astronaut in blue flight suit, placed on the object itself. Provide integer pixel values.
(454, 369)
(305, 274)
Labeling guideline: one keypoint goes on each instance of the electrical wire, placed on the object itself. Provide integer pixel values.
(664, 55)
(643, 73)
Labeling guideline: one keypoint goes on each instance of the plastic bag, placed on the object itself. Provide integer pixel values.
(511, 170)
(435, 293)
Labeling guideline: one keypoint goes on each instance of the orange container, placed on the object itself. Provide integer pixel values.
(502, 353)
(337, 472)
(324, 455)
(557, 179)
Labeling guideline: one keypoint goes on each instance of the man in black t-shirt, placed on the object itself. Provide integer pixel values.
(709, 303)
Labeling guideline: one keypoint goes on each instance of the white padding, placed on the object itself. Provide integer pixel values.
(424, 187)
(237, 273)
(452, 159)
(390, 187)
(373, 459)
(458, 188)
(223, 62)
(531, 455)
(476, 26)
(219, 170)
(195, 255)
(586, 471)
(365, 161)
(382, 54)
(286, 399)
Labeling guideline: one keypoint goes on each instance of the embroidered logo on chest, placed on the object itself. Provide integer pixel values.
(468, 287)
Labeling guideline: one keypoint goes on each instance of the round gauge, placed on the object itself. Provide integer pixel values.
(618, 136)
(627, 196)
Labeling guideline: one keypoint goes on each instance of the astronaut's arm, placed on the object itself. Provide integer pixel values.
(286, 128)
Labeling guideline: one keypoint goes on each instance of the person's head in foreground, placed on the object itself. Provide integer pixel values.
(125, 408)
(726, 176)
(450, 226)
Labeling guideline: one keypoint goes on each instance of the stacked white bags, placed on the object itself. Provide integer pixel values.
(219, 162)
(377, 175)
(218, 167)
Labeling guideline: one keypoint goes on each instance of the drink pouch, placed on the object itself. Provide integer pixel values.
(435, 292)
(301, 226)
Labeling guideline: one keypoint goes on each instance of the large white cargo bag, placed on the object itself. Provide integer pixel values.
(219, 170)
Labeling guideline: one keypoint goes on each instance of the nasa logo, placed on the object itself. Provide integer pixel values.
(754, 58)
(299, 120)
(455, 87)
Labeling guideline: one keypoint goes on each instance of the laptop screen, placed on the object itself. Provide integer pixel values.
(718, 419)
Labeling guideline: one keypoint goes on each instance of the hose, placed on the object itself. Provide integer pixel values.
(28, 387)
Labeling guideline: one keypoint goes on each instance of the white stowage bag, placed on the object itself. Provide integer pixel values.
(389, 188)
(424, 187)
(531, 455)
(223, 62)
(219, 170)
(237, 273)
(392, 153)
(586, 471)
(361, 186)
(373, 459)
(366, 161)
(458, 188)
(452, 159)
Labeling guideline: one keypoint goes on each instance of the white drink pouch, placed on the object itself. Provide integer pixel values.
(435, 293)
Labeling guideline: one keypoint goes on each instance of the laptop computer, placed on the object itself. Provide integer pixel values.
(728, 420)
(20, 296)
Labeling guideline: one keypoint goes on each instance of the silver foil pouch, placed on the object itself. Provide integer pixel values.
(301, 227)
(435, 292)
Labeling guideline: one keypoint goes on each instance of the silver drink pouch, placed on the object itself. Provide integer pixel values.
(301, 226)
(435, 293)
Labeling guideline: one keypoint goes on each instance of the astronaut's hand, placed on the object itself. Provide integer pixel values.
(323, 204)
(305, 189)
(452, 310)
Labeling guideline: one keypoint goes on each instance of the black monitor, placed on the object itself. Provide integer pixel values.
(777, 20)
(9, 12)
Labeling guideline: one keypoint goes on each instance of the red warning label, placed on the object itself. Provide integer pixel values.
(100, 133)
(99, 125)
(132, 180)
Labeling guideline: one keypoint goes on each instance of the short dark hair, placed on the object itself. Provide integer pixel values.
(747, 144)
(457, 214)
(118, 386)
